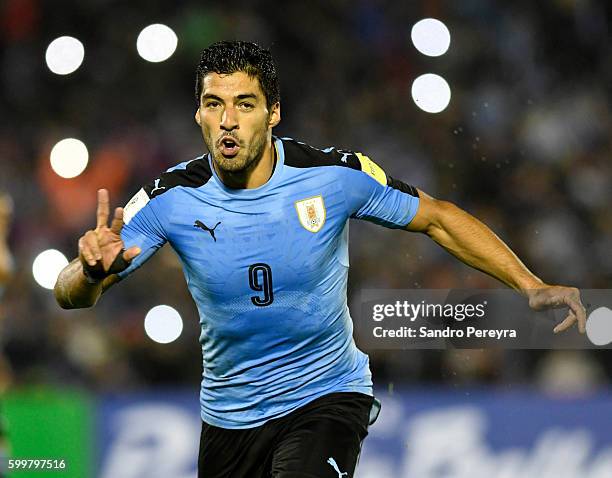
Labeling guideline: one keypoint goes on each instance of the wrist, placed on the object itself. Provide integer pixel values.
(532, 288)
(94, 275)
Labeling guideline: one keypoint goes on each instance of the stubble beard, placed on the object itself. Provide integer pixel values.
(245, 159)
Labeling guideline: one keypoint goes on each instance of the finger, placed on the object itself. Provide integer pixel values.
(85, 253)
(566, 324)
(103, 208)
(91, 241)
(579, 311)
(132, 252)
(117, 223)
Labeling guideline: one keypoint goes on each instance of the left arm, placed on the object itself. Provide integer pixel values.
(473, 243)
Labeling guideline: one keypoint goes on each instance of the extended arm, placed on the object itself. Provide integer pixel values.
(475, 244)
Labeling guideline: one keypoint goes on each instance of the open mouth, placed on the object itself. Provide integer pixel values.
(229, 146)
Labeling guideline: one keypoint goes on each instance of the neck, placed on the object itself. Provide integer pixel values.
(255, 174)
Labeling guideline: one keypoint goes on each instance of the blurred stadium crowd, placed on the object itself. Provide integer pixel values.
(524, 145)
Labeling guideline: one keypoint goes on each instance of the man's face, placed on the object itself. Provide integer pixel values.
(235, 121)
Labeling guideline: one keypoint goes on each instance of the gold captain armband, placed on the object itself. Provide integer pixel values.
(372, 169)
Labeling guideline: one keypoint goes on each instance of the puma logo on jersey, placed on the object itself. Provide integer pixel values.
(204, 227)
(156, 186)
(333, 464)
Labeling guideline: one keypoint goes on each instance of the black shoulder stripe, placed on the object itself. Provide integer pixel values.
(402, 186)
(301, 155)
(195, 174)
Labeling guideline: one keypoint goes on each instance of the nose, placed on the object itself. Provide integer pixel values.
(229, 120)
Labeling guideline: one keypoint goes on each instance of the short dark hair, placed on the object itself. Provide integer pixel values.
(226, 57)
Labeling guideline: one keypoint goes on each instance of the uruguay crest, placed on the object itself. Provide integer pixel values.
(311, 213)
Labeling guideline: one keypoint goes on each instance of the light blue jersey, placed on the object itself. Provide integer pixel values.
(268, 268)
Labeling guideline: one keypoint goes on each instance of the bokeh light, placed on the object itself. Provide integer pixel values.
(47, 266)
(431, 93)
(431, 37)
(599, 326)
(163, 324)
(64, 55)
(69, 157)
(156, 43)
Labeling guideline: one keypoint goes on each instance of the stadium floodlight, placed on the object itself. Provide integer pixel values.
(64, 55)
(156, 43)
(431, 93)
(47, 266)
(163, 324)
(599, 326)
(431, 37)
(69, 157)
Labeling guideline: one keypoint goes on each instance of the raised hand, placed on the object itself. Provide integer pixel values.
(101, 251)
(556, 296)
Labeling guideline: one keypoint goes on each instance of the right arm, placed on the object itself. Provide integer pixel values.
(101, 256)
(72, 291)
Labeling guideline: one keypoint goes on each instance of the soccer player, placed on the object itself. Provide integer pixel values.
(260, 226)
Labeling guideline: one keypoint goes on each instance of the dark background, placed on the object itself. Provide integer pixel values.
(524, 145)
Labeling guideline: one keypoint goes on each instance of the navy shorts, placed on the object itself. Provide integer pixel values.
(319, 440)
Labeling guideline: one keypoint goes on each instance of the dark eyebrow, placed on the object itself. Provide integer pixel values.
(243, 96)
(212, 97)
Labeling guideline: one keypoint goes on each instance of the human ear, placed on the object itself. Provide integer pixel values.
(275, 115)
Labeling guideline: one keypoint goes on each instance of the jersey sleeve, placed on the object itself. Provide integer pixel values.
(374, 196)
(143, 228)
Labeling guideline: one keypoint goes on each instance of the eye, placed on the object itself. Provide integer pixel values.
(247, 106)
(211, 104)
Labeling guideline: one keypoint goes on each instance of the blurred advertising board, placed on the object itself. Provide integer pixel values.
(482, 433)
(425, 433)
(149, 435)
